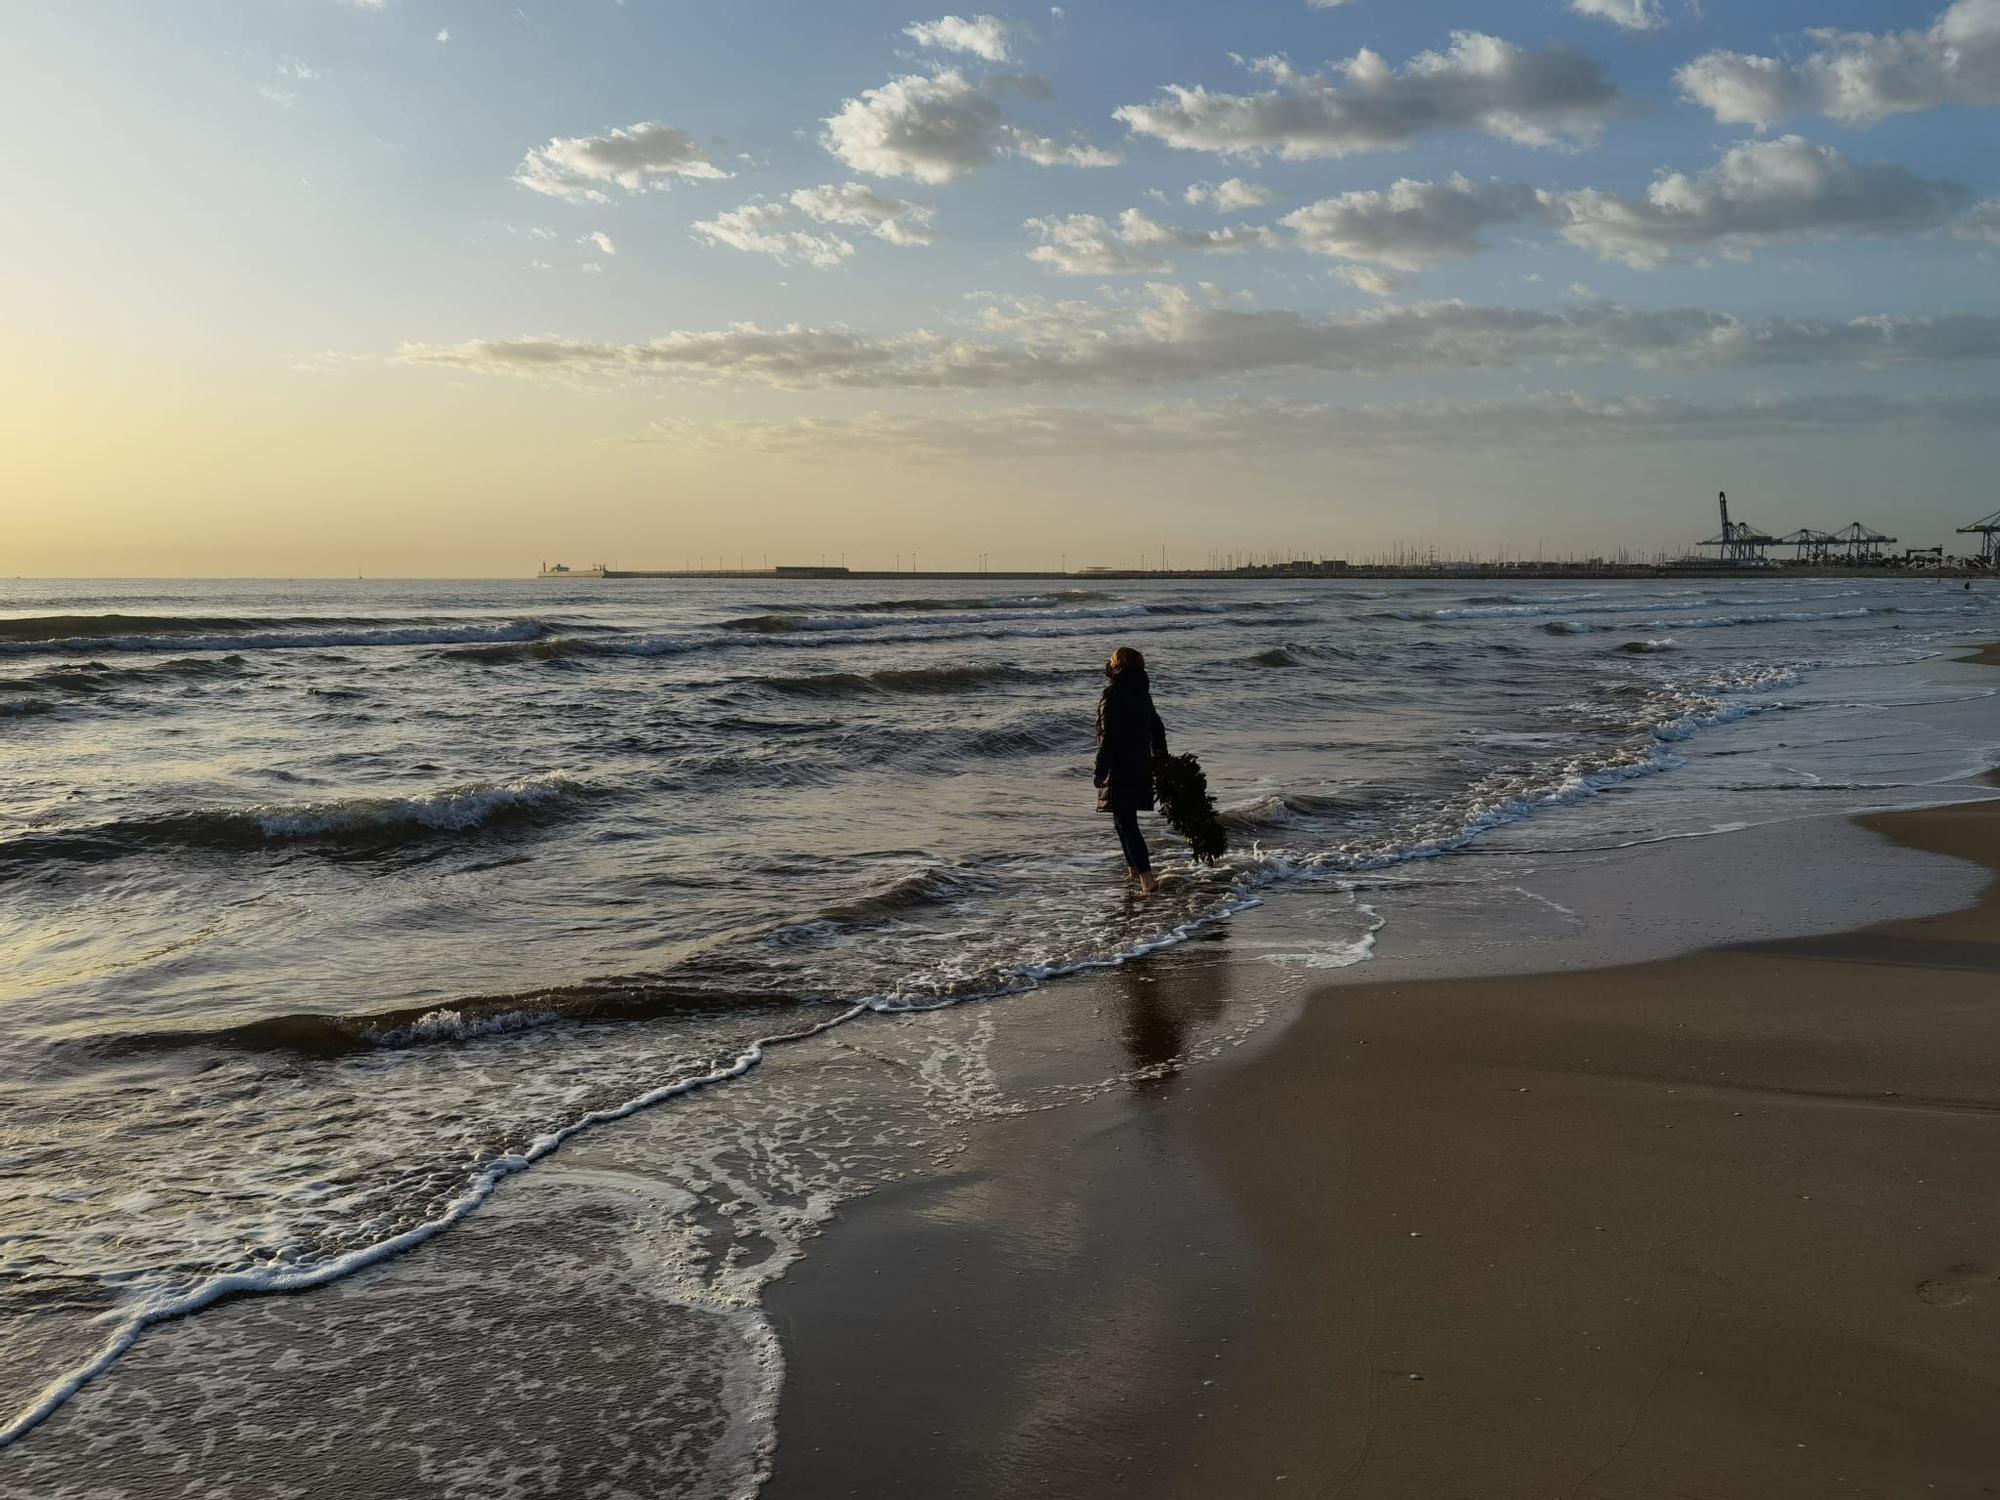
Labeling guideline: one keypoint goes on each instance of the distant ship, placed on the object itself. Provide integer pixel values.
(564, 570)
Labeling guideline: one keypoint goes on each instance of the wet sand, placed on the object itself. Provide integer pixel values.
(1720, 1225)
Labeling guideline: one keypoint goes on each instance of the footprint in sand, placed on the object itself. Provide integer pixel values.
(1957, 1285)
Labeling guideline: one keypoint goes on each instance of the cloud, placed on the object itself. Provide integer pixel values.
(1376, 283)
(1412, 224)
(757, 228)
(1858, 77)
(1232, 195)
(983, 36)
(443, 35)
(1135, 227)
(1084, 245)
(1044, 152)
(1240, 425)
(941, 127)
(1982, 223)
(601, 240)
(1759, 192)
(636, 158)
(858, 206)
(1174, 336)
(1633, 15)
(1540, 98)
(1326, 4)
(1739, 89)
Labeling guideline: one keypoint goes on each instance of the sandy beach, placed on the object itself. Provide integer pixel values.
(1720, 1225)
(1717, 1225)
(1639, 1146)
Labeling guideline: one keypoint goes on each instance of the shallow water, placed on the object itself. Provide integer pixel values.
(329, 906)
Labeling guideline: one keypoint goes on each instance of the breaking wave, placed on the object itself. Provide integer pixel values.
(1282, 809)
(40, 629)
(373, 820)
(93, 677)
(253, 635)
(316, 1034)
(935, 885)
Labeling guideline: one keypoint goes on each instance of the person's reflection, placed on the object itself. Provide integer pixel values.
(1168, 1003)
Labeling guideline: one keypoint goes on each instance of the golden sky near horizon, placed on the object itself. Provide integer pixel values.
(420, 289)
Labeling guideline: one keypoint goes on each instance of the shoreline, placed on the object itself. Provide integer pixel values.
(1706, 1224)
(1044, 1269)
(1711, 1225)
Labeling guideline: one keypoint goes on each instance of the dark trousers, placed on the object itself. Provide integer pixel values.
(1133, 842)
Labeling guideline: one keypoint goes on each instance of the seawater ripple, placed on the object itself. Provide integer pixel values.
(385, 891)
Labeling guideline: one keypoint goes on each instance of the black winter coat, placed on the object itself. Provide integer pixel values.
(1129, 735)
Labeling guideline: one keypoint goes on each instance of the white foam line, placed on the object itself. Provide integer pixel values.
(1669, 838)
(58, 1391)
(1027, 977)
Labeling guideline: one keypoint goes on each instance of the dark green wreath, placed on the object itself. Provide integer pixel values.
(1182, 791)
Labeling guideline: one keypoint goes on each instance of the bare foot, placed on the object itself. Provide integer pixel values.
(1148, 882)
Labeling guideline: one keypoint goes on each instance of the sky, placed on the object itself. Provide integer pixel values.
(460, 287)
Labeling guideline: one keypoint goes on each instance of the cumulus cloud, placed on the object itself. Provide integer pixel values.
(1136, 227)
(1758, 193)
(636, 158)
(1242, 425)
(1412, 224)
(601, 240)
(983, 36)
(760, 229)
(941, 127)
(1537, 98)
(1174, 336)
(1084, 245)
(855, 205)
(1045, 152)
(1633, 15)
(1232, 195)
(1858, 76)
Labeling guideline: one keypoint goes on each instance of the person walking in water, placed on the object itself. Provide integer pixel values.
(1129, 735)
